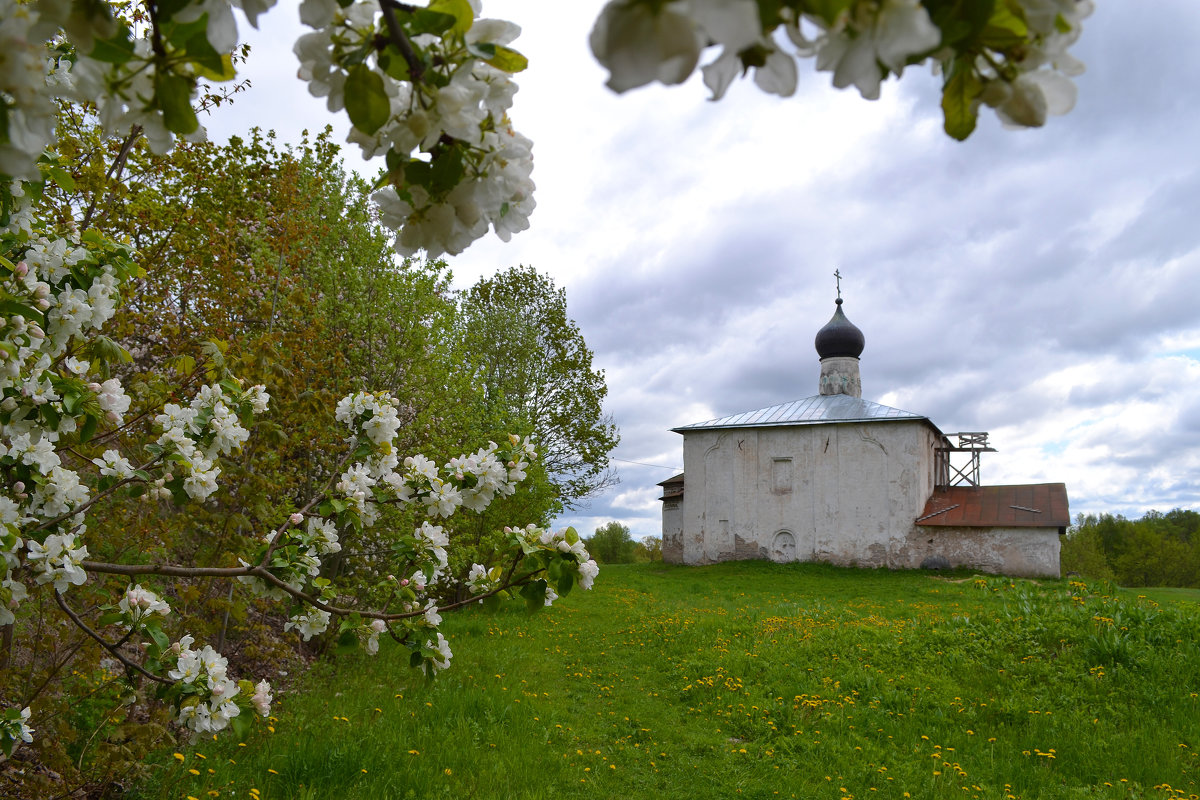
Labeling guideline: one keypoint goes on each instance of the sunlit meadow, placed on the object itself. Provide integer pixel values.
(751, 680)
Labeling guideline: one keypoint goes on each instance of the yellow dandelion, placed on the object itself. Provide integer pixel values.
(179, 756)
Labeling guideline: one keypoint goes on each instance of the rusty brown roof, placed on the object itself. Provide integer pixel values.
(1037, 505)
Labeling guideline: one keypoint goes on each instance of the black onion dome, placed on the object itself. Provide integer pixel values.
(840, 337)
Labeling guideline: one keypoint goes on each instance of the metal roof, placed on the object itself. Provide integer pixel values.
(816, 410)
(1036, 505)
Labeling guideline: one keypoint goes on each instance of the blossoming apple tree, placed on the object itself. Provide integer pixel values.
(427, 88)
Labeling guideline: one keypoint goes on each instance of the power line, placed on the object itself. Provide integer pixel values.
(644, 464)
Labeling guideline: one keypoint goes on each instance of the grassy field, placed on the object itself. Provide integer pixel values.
(751, 680)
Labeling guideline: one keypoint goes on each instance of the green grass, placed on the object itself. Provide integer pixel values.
(751, 680)
(1163, 594)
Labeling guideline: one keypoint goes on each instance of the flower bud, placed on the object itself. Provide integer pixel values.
(95, 387)
(22, 269)
(36, 332)
(42, 290)
(43, 304)
(296, 518)
(19, 487)
(404, 581)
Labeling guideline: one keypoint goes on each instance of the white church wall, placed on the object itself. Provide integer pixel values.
(1022, 552)
(844, 493)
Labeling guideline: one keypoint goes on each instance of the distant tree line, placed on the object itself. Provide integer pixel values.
(613, 544)
(1157, 550)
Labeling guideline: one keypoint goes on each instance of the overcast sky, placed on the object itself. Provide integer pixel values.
(1041, 285)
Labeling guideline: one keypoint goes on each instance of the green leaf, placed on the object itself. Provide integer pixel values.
(88, 429)
(158, 636)
(367, 102)
(116, 49)
(534, 593)
(71, 402)
(464, 15)
(446, 171)
(1005, 28)
(828, 10)
(111, 618)
(241, 726)
(393, 63)
(174, 95)
(491, 603)
(102, 348)
(347, 642)
(183, 365)
(9, 308)
(958, 99)
(508, 60)
(209, 63)
(62, 178)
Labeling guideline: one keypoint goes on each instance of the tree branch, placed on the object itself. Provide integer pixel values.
(114, 171)
(396, 34)
(116, 653)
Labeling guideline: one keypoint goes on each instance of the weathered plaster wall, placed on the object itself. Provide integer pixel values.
(1026, 552)
(672, 530)
(842, 493)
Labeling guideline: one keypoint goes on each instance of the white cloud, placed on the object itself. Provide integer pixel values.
(1027, 283)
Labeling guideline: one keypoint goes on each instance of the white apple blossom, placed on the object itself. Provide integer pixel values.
(12, 594)
(15, 728)
(113, 464)
(58, 560)
(262, 698)
(112, 398)
(140, 603)
(308, 624)
(886, 33)
(322, 534)
(376, 627)
(588, 571)
(638, 45)
(440, 661)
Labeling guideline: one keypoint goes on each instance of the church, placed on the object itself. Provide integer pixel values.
(842, 480)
